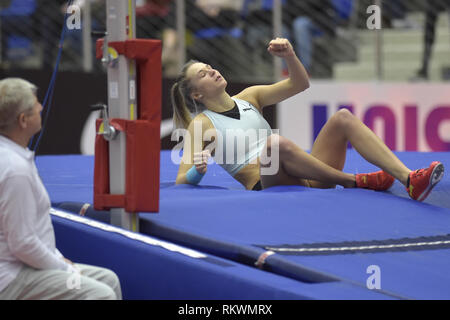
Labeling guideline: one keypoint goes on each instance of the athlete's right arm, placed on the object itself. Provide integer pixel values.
(193, 150)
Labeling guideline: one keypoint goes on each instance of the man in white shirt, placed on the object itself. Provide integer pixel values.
(30, 265)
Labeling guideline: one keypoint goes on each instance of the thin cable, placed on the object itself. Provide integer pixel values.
(47, 103)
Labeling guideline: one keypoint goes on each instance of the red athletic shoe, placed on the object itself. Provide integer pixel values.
(379, 180)
(422, 181)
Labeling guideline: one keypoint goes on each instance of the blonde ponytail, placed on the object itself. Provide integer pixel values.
(182, 102)
(181, 114)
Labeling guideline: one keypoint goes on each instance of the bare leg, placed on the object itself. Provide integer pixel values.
(323, 167)
(295, 165)
(331, 145)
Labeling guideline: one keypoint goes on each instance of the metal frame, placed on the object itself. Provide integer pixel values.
(121, 25)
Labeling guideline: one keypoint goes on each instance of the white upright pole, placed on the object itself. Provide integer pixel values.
(87, 39)
(120, 25)
(379, 47)
(277, 26)
(181, 33)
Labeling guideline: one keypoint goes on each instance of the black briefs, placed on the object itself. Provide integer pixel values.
(258, 186)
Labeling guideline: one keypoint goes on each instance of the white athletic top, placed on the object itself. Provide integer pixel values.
(26, 231)
(239, 141)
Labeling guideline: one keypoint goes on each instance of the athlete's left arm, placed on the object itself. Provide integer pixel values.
(298, 81)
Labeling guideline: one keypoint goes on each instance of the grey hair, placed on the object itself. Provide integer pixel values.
(16, 96)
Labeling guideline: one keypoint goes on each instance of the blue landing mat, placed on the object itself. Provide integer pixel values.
(221, 218)
(149, 268)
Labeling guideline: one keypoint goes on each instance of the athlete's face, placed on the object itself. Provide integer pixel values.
(206, 81)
